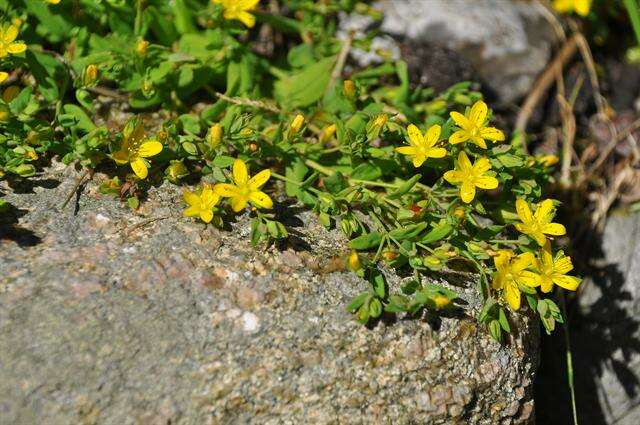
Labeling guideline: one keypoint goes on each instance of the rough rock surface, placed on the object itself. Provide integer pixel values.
(109, 316)
(606, 329)
(507, 42)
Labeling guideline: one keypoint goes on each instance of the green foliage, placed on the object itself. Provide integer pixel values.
(195, 81)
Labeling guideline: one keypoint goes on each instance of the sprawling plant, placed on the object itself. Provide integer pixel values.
(417, 180)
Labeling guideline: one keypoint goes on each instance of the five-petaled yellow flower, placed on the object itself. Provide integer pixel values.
(473, 127)
(239, 9)
(136, 147)
(539, 224)
(422, 146)
(8, 45)
(245, 189)
(201, 203)
(469, 176)
(511, 271)
(554, 270)
(581, 7)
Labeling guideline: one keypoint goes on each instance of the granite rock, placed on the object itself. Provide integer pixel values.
(114, 316)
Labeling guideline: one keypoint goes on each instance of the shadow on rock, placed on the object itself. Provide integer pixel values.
(603, 333)
(9, 229)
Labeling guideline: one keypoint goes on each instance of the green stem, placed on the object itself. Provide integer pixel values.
(634, 15)
(569, 354)
(138, 22)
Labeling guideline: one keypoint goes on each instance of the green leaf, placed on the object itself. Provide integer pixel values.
(305, 87)
(502, 318)
(405, 187)
(378, 283)
(366, 241)
(437, 233)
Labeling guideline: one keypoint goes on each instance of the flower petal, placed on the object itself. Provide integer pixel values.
(406, 150)
(539, 237)
(478, 114)
(246, 18)
(257, 181)
(460, 120)
(247, 4)
(140, 168)
(453, 176)
(512, 295)
(150, 148)
(546, 284)
(479, 141)
(238, 203)
(191, 198)
(209, 197)
(491, 133)
(415, 136)
(544, 212)
(191, 212)
(467, 192)
(10, 34)
(523, 210)
(570, 283)
(261, 199)
(3, 76)
(529, 279)
(206, 216)
(433, 135)
(554, 229)
(16, 48)
(522, 261)
(582, 7)
(459, 136)
(418, 160)
(464, 164)
(563, 265)
(486, 182)
(121, 157)
(240, 173)
(481, 166)
(226, 190)
(436, 153)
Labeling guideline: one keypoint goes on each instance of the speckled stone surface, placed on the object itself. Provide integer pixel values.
(110, 316)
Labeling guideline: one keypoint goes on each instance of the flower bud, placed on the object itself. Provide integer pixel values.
(296, 126)
(549, 160)
(459, 213)
(141, 47)
(176, 171)
(10, 93)
(380, 120)
(90, 74)
(441, 302)
(353, 261)
(328, 132)
(349, 88)
(215, 136)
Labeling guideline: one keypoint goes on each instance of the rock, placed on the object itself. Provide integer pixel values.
(605, 330)
(114, 316)
(508, 42)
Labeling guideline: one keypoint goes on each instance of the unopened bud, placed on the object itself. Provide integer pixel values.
(328, 132)
(353, 261)
(215, 136)
(349, 88)
(176, 171)
(380, 120)
(141, 47)
(10, 93)
(296, 126)
(549, 160)
(441, 301)
(90, 74)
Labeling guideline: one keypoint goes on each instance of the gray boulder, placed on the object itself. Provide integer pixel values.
(508, 43)
(114, 316)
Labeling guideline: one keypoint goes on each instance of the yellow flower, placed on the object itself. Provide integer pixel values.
(469, 176)
(581, 7)
(554, 270)
(245, 189)
(473, 126)
(441, 302)
(3, 76)
(422, 146)
(136, 147)
(539, 224)
(511, 271)
(239, 9)
(8, 45)
(201, 203)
